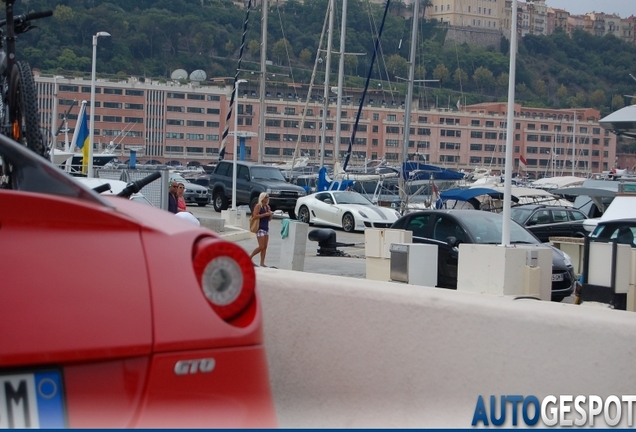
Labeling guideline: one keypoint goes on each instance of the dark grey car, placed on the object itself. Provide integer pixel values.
(448, 228)
(549, 221)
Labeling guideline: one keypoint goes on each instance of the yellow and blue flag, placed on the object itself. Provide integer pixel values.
(83, 139)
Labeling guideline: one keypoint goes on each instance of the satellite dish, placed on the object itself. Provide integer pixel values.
(179, 74)
(198, 75)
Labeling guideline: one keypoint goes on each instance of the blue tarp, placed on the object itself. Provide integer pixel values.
(424, 172)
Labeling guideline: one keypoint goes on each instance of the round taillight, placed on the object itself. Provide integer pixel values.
(226, 275)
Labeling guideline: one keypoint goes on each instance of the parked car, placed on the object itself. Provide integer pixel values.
(252, 180)
(621, 230)
(344, 209)
(194, 193)
(449, 228)
(118, 315)
(622, 206)
(550, 221)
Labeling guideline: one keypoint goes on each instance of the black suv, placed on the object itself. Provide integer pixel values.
(549, 221)
(251, 180)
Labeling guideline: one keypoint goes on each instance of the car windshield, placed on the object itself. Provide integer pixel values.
(486, 228)
(520, 215)
(351, 198)
(267, 173)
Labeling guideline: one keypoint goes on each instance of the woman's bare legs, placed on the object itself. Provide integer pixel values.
(262, 248)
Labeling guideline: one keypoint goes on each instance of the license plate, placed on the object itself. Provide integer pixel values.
(32, 400)
(557, 277)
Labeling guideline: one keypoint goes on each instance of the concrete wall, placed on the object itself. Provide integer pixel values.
(474, 36)
(348, 352)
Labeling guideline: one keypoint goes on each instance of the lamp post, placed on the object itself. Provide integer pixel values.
(236, 86)
(54, 118)
(91, 124)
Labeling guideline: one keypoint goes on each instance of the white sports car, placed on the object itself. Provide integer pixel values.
(345, 209)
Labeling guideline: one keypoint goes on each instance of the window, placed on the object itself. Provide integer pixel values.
(174, 135)
(422, 119)
(133, 119)
(272, 137)
(274, 151)
(393, 129)
(214, 98)
(423, 144)
(174, 122)
(172, 108)
(391, 117)
(114, 119)
(271, 110)
(290, 123)
(134, 106)
(490, 135)
(212, 124)
(114, 91)
(475, 147)
(193, 96)
(272, 123)
(376, 116)
(476, 134)
(134, 92)
(197, 123)
(112, 105)
(423, 131)
(475, 123)
(212, 137)
(290, 111)
(213, 111)
(392, 143)
(194, 137)
(196, 110)
(375, 128)
(70, 88)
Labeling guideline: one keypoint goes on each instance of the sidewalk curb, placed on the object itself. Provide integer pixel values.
(237, 235)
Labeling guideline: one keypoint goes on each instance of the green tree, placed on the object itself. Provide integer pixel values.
(254, 47)
(229, 47)
(441, 73)
(351, 63)
(618, 102)
(540, 87)
(397, 66)
(562, 93)
(483, 78)
(305, 56)
(281, 50)
(598, 98)
(460, 77)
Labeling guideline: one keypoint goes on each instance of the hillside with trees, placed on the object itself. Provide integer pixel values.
(151, 38)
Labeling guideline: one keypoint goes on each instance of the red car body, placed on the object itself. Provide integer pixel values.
(107, 293)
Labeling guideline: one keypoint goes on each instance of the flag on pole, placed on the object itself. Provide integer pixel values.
(82, 140)
(522, 161)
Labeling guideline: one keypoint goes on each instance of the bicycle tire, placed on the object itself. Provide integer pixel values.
(24, 116)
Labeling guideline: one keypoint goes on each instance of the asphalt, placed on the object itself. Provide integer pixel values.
(351, 264)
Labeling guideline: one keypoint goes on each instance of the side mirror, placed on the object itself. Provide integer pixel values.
(328, 201)
(452, 241)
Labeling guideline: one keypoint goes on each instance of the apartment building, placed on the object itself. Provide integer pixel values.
(185, 123)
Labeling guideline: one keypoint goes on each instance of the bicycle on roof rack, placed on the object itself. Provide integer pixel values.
(19, 114)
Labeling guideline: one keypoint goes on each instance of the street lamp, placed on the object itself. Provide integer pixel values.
(236, 86)
(91, 124)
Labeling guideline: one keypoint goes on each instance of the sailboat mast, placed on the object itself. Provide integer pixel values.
(409, 98)
(323, 134)
(261, 113)
(573, 143)
(343, 30)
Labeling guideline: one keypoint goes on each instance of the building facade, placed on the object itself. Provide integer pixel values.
(184, 122)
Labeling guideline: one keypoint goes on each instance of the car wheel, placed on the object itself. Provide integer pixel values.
(292, 214)
(348, 222)
(303, 214)
(220, 201)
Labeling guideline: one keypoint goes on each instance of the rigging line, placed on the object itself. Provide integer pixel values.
(226, 131)
(374, 28)
(311, 85)
(287, 44)
(459, 72)
(366, 86)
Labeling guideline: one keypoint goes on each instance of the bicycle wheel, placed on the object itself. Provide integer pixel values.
(24, 116)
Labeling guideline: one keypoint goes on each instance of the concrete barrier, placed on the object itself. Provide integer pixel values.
(346, 352)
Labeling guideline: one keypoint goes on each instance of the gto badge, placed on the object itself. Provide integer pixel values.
(185, 367)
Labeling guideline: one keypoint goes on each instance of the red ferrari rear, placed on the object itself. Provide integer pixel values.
(119, 315)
